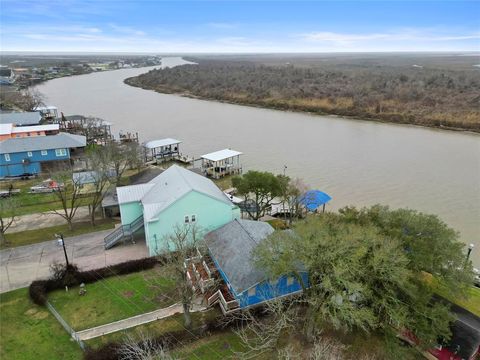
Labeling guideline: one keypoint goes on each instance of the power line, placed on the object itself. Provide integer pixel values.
(104, 282)
(156, 284)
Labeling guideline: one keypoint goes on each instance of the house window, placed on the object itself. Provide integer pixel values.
(290, 280)
(194, 218)
(252, 291)
(29, 154)
(187, 219)
(7, 157)
(44, 152)
(61, 152)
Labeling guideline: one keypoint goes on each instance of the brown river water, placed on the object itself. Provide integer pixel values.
(356, 162)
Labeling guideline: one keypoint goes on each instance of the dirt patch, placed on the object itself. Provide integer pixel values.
(128, 294)
(36, 314)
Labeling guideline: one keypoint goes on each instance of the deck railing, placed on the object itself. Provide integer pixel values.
(123, 231)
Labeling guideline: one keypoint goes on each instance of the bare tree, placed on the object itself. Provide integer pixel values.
(122, 157)
(182, 244)
(68, 193)
(8, 211)
(102, 176)
(260, 334)
(142, 347)
(292, 195)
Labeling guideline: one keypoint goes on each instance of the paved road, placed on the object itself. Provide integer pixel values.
(21, 265)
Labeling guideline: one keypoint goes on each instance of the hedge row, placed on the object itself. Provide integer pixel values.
(71, 277)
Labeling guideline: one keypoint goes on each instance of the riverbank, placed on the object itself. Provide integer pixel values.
(441, 95)
(289, 107)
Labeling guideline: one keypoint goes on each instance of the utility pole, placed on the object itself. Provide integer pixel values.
(60, 237)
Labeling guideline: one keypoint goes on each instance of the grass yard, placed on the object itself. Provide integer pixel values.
(28, 331)
(214, 347)
(44, 234)
(114, 298)
(155, 328)
(471, 301)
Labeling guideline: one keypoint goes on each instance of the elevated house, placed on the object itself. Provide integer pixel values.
(8, 131)
(32, 155)
(221, 163)
(176, 197)
(245, 285)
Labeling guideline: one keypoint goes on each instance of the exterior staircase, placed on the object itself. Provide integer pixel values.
(123, 232)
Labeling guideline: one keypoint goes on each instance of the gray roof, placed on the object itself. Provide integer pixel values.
(231, 246)
(168, 187)
(21, 118)
(35, 143)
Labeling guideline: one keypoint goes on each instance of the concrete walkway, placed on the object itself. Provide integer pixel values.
(21, 265)
(45, 219)
(134, 321)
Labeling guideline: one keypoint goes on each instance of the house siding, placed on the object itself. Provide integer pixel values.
(16, 166)
(268, 290)
(210, 214)
(130, 212)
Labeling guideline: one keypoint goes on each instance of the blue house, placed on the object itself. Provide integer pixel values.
(230, 247)
(32, 155)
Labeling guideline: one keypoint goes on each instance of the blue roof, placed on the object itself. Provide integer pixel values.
(312, 199)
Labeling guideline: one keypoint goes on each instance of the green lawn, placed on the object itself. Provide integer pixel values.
(114, 298)
(218, 346)
(155, 328)
(28, 331)
(48, 233)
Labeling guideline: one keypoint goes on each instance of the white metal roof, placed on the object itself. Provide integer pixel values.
(43, 108)
(162, 142)
(132, 193)
(5, 129)
(221, 155)
(47, 127)
(166, 188)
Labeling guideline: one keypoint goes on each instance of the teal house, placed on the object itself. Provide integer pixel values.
(176, 197)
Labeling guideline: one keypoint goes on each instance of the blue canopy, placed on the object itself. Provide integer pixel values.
(312, 199)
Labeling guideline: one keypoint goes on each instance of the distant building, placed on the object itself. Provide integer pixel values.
(21, 118)
(8, 131)
(7, 76)
(32, 155)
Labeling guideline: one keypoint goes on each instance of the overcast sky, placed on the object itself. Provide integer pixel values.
(232, 26)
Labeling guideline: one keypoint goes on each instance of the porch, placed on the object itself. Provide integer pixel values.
(204, 278)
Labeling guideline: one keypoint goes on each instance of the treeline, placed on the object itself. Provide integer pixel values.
(410, 93)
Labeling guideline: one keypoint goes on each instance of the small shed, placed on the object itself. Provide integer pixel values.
(221, 163)
(162, 149)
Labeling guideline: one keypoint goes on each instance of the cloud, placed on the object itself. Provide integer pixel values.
(126, 30)
(406, 35)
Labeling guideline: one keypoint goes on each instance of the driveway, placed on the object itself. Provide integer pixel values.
(21, 265)
(45, 219)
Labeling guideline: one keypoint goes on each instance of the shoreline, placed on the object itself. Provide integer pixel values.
(319, 113)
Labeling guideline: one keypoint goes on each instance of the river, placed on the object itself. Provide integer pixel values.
(356, 162)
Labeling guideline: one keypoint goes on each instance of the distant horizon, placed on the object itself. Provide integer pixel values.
(236, 27)
(27, 52)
